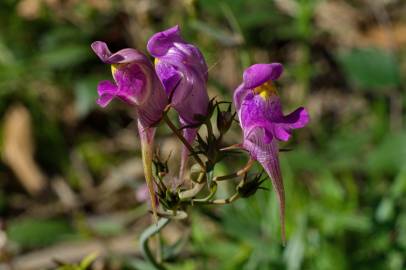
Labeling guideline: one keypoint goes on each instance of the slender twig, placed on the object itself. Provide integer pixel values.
(146, 235)
(232, 147)
(213, 191)
(231, 199)
(190, 193)
(174, 215)
(158, 248)
(209, 128)
(184, 141)
(236, 174)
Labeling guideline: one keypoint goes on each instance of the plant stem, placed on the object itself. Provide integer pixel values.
(213, 191)
(231, 199)
(209, 128)
(148, 233)
(190, 193)
(184, 141)
(236, 174)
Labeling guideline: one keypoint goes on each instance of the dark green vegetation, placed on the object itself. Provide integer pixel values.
(345, 177)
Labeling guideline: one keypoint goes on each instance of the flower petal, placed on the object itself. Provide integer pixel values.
(147, 150)
(239, 95)
(282, 132)
(160, 42)
(121, 57)
(106, 87)
(193, 103)
(106, 91)
(270, 162)
(282, 128)
(168, 75)
(104, 100)
(268, 156)
(297, 119)
(101, 50)
(183, 72)
(128, 55)
(258, 74)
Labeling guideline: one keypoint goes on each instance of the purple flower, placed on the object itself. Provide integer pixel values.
(183, 72)
(136, 83)
(263, 123)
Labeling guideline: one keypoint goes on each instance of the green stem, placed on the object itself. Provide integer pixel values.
(146, 235)
(209, 128)
(184, 141)
(213, 191)
(190, 193)
(231, 199)
(236, 174)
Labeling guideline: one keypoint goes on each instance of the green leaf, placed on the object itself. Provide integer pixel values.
(88, 260)
(86, 95)
(370, 68)
(388, 156)
(66, 56)
(385, 210)
(33, 233)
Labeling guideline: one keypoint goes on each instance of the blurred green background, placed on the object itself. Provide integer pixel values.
(69, 169)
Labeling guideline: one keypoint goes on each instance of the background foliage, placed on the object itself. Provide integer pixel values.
(69, 169)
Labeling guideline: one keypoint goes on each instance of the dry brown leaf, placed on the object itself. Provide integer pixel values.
(18, 149)
(226, 68)
(339, 19)
(346, 106)
(29, 9)
(71, 252)
(289, 7)
(386, 37)
(65, 193)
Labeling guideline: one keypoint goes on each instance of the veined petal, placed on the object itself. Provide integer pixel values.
(268, 156)
(147, 143)
(169, 76)
(132, 83)
(270, 162)
(183, 71)
(261, 118)
(195, 103)
(136, 83)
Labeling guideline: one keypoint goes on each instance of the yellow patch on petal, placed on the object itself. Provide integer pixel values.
(266, 90)
(114, 68)
(156, 60)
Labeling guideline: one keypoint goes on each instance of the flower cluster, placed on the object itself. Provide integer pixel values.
(178, 80)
